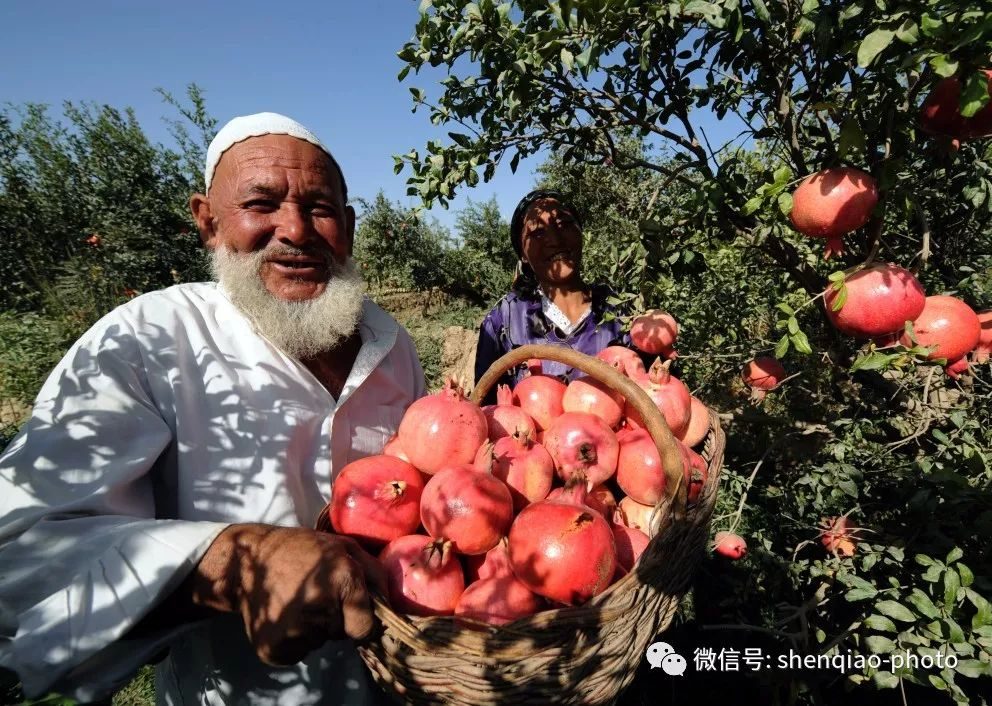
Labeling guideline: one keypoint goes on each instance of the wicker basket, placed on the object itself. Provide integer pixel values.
(579, 655)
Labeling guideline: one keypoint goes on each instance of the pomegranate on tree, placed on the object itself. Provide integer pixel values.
(837, 535)
(504, 418)
(539, 395)
(423, 575)
(589, 395)
(699, 423)
(498, 600)
(376, 499)
(947, 324)
(562, 550)
(833, 202)
(525, 466)
(730, 545)
(880, 300)
(582, 443)
(763, 374)
(442, 430)
(471, 508)
(984, 347)
(940, 113)
(655, 332)
(669, 394)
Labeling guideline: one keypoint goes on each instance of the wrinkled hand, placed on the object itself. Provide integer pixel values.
(294, 588)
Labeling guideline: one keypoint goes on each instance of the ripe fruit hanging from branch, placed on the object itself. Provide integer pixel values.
(948, 325)
(833, 202)
(984, 347)
(763, 374)
(838, 536)
(878, 301)
(730, 545)
(940, 113)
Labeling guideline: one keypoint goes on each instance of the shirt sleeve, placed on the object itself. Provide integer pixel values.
(489, 349)
(84, 557)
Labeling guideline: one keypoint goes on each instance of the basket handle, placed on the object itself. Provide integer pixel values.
(654, 422)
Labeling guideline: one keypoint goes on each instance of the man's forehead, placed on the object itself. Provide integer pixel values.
(251, 160)
(542, 209)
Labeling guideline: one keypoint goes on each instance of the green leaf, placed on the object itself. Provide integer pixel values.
(922, 603)
(879, 645)
(852, 10)
(937, 682)
(786, 309)
(974, 94)
(582, 60)
(801, 343)
(785, 203)
(424, 6)
(929, 25)
(880, 622)
(983, 613)
(973, 668)
(851, 138)
(793, 325)
(567, 58)
(954, 555)
(954, 631)
(761, 11)
(752, 205)
(896, 610)
(841, 297)
(873, 45)
(783, 347)
(838, 276)
(885, 680)
(952, 582)
(908, 32)
(943, 66)
(859, 594)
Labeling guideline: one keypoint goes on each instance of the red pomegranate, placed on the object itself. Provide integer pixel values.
(949, 325)
(393, 448)
(655, 332)
(423, 575)
(630, 544)
(669, 394)
(495, 562)
(833, 202)
(763, 374)
(730, 545)
(639, 471)
(699, 423)
(631, 513)
(525, 466)
(442, 430)
(880, 300)
(618, 356)
(562, 550)
(582, 443)
(940, 113)
(376, 499)
(838, 535)
(468, 507)
(957, 368)
(984, 347)
(539, 395)
(505, 418)
(599, 499)
(498, 601)
(589, 395)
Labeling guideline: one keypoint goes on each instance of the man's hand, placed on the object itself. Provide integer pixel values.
(294, 588)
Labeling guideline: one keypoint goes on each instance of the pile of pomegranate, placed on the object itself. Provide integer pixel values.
(543, 499)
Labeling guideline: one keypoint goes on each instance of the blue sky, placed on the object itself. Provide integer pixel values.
(330, 65)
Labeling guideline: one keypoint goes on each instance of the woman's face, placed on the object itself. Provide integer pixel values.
(551, 243)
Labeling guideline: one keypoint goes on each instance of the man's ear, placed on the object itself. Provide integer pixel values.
(350, 223)
(199, 205)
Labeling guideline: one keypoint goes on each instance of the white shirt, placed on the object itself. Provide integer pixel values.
(168, 420)
(558, 318)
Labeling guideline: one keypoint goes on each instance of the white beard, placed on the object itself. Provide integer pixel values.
(303, 329)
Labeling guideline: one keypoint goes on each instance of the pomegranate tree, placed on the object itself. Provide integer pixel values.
(471, 508)
(833, 202)
(376, 499)
(441, 430)
(423, 575)
(879, 300)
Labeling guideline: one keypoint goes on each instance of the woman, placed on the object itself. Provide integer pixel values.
(549, 301)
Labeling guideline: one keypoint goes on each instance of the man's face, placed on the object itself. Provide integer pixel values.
(280, 196)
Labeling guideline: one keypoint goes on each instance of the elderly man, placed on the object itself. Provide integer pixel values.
(158, 502)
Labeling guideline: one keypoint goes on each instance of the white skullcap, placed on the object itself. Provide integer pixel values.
(241, 128)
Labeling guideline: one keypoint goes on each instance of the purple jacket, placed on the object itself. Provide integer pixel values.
(517, 320)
